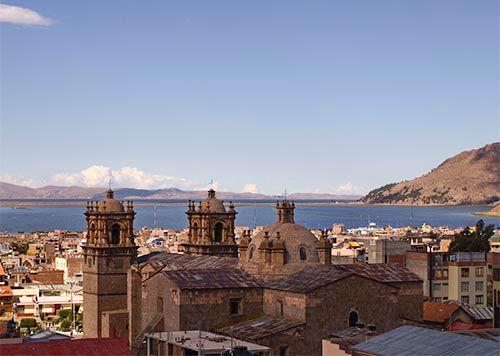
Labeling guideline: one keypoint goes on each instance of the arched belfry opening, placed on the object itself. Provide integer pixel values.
(218, 232)
(353, 318)
(303, 253)
(115, 234)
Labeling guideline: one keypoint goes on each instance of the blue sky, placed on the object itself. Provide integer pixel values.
(329, 96)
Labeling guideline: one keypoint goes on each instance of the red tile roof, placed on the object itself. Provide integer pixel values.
(87, 347)
(5, 291)
(439, 312)
(2, 271)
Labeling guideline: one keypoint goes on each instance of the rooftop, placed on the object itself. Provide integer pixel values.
(178, 261)
(413, 341)
(313, 277)
(211, 279)
(205, 341)
(439, 312)
(260, 327)
(102, 347)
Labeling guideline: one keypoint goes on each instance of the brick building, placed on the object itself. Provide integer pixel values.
(281, 291)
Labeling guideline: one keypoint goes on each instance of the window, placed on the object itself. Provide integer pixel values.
(250, 252)
(465, 272)
(465, 299)
(436, 287)
(479, 299)
(445, 298)
(159, 305)
(303, 253)
(496, 274)
(235, 306)
(464, 286)
(479, 286)
(445, 273)
(479, 271)
(353, 318)
(195, 231)
(283, 350)
(439, 274)
(218, 232)
(115, 234)
(280, 307)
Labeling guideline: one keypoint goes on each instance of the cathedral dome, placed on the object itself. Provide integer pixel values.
(110, 204)
(212, 204)
(299, 242)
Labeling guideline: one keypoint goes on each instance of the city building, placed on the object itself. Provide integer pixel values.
(281, 291)
(459, 276)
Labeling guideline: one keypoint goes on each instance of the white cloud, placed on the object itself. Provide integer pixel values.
(130, 177)
(250, 188)
(22, 16)
(214, 185)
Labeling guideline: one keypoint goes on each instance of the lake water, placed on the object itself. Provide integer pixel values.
(46, 218)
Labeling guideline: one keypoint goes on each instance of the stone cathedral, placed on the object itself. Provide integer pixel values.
(276, 288)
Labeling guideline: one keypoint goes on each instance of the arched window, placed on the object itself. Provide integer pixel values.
(303, 253)
(218, 229)
(250, 252)
(353, 318)
(115, 234)
(195, 230)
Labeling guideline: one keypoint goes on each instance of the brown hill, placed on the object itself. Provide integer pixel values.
(471, 177)
(12, 191)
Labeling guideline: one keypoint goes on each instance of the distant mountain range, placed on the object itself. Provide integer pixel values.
(471, 177)
(12, 191)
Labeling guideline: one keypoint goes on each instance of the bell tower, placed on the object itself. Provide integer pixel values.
(211, 228)
(108, 254)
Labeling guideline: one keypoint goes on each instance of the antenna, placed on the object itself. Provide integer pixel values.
(155, 220)
(285, 194)
(109, 183)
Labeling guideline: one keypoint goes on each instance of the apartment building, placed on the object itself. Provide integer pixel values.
(460, 276)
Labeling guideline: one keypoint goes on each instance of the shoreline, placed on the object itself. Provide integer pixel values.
(83, 203)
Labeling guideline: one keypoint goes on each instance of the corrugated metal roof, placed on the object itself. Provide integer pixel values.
(476, 312)
(260, 327)
(413, 341)
(211, 279)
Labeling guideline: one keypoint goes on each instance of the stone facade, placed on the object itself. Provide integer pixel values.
(108, 254)
(211, 228)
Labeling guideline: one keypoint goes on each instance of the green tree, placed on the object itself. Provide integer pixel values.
(473, 241)
(28, 323)
(65, 325)
(65, 314)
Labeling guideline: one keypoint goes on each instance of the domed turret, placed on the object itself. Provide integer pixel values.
(211, 204)
(291, 246)
(110, 204)
(211, 228)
